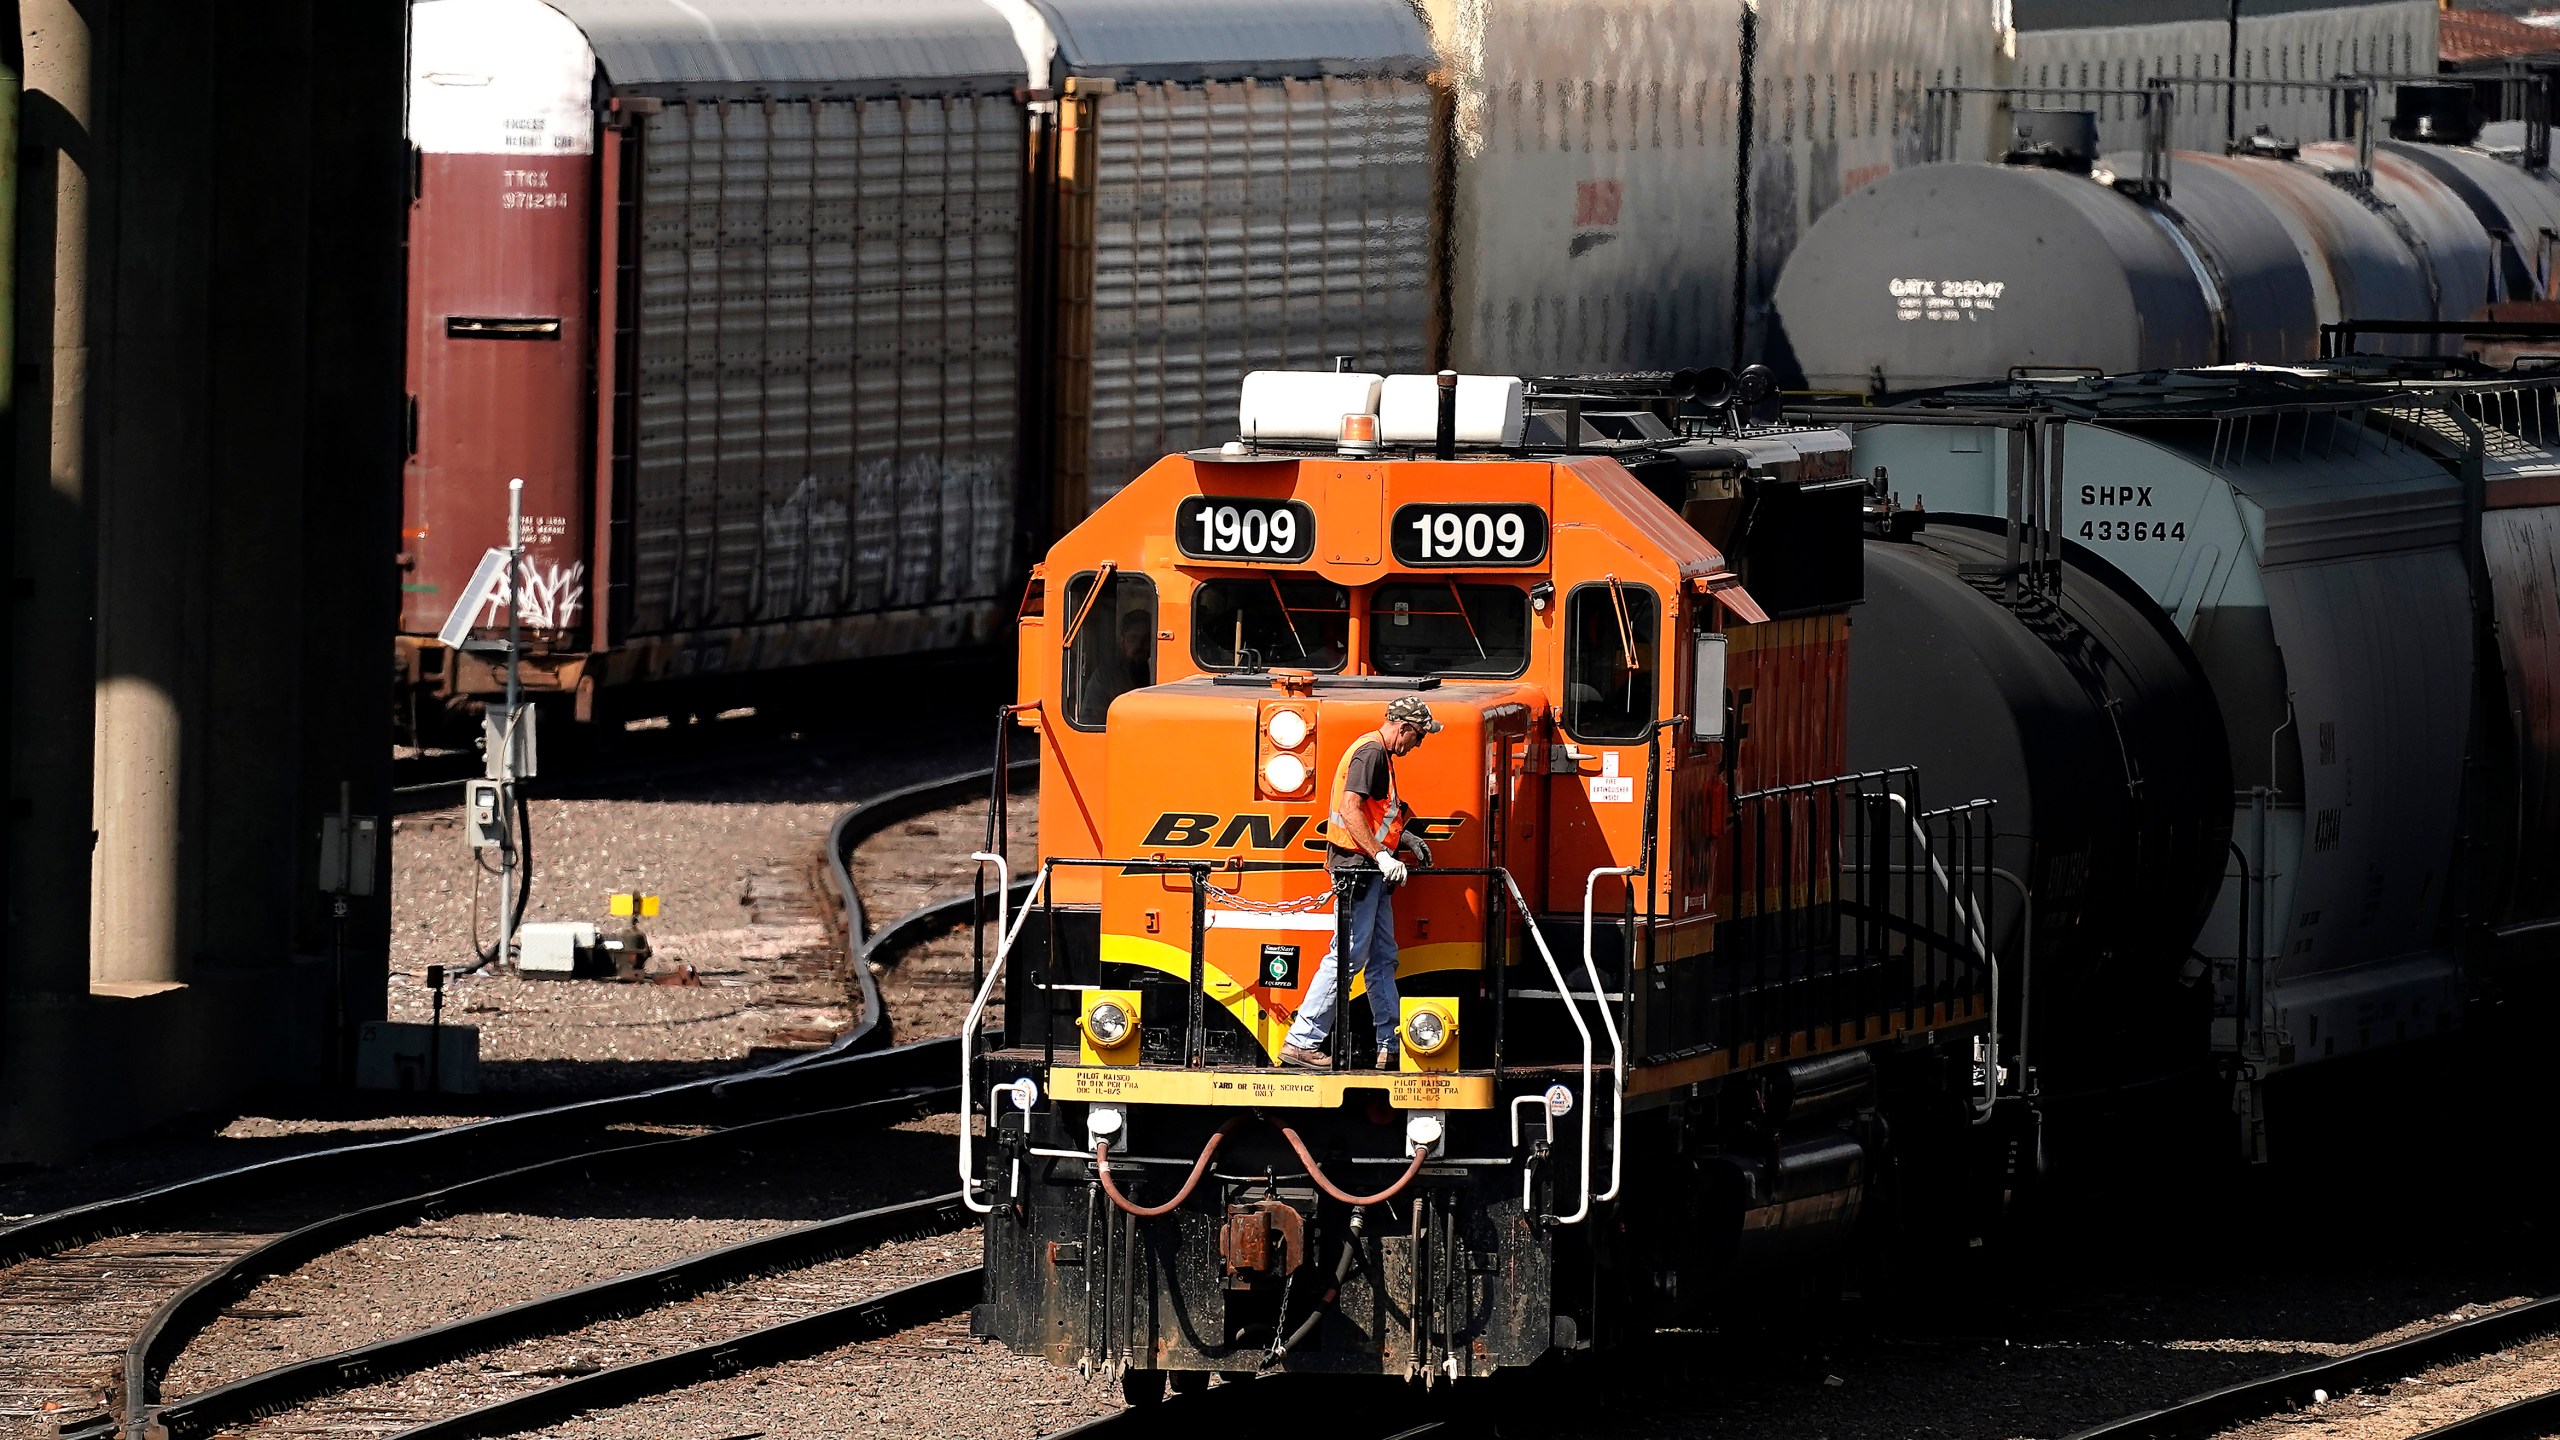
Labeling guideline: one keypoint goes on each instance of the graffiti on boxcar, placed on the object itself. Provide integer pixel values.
(548, 596)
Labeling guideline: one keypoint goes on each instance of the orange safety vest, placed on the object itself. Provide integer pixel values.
(1385, 813)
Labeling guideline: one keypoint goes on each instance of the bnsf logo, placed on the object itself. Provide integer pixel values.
(1183, 829)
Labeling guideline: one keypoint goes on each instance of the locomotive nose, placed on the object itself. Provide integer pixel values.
(1221, 787)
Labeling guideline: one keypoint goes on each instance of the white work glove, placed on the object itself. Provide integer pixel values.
(1393, 869)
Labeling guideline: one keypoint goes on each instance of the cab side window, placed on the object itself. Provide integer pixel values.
(1612, 661)
(1114, 650)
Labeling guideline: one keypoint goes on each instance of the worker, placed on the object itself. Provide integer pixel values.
(1137, 650)
(1368, 850)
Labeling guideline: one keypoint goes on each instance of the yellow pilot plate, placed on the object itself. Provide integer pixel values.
(1310, 1089)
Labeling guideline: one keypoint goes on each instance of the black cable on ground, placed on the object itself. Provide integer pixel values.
(520, 843)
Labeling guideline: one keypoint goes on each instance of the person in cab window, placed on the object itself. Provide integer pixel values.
(1365, 842)
(1137, 652)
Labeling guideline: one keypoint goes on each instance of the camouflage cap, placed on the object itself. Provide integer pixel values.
(1411, 710)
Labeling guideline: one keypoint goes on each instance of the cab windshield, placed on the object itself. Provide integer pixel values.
(1440, 627)
(1249, 624)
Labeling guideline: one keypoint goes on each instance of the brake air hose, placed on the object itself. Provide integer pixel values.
(1199, 1167)
(1420, 1154)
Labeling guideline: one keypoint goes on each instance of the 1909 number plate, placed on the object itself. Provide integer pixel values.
(1469, 535)
(1235, 527)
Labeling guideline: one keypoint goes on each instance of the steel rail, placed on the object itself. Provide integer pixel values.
(852, 1059)
(270, 1391)
(185, 1201)
(854, 825)
(867, 1319)
(2527, 1419)
(2232, 1405)
(183, 1316)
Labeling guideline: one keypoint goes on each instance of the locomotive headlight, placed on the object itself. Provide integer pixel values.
(1288, 729)
(1425, 1031)
(1428, 1026)
(1108, 1028)
(1107, 1023)
(1285, 774)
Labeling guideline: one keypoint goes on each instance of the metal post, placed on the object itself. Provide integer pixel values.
(2053, 504)
(1497, 920)
(1043, 975)
(508, 858)
(2254, 984)
(1344, 882)
(2017, 506)
(1195, 1032)
(435, 1031)
(338, 1029)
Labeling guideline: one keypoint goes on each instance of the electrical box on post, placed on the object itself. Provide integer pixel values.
(484, 813)
(496, 733)
(346, 854)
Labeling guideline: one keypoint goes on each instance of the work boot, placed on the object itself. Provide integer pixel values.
(1386, 1057)
(1300, 1055)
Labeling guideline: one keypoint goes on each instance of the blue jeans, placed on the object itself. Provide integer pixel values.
(1372, 922)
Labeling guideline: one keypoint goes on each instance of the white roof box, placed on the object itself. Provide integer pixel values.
(1491, 410)
(1303, 404)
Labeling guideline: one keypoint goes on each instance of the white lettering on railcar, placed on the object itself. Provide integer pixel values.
(1923, 299)
(537, 196)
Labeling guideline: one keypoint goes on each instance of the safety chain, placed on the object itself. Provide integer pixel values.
(1303, 905)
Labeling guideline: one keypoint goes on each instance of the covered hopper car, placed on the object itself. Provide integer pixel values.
(2360, 556)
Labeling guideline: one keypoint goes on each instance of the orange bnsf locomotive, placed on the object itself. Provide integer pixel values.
(1681, 1000)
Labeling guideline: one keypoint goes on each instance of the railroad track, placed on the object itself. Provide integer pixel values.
(162, 1237)
(1279, 1406)
(2375, 1367)
(283, 1388)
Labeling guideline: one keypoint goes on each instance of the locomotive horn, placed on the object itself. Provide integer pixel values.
(1711, 387)
(1755, 384)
